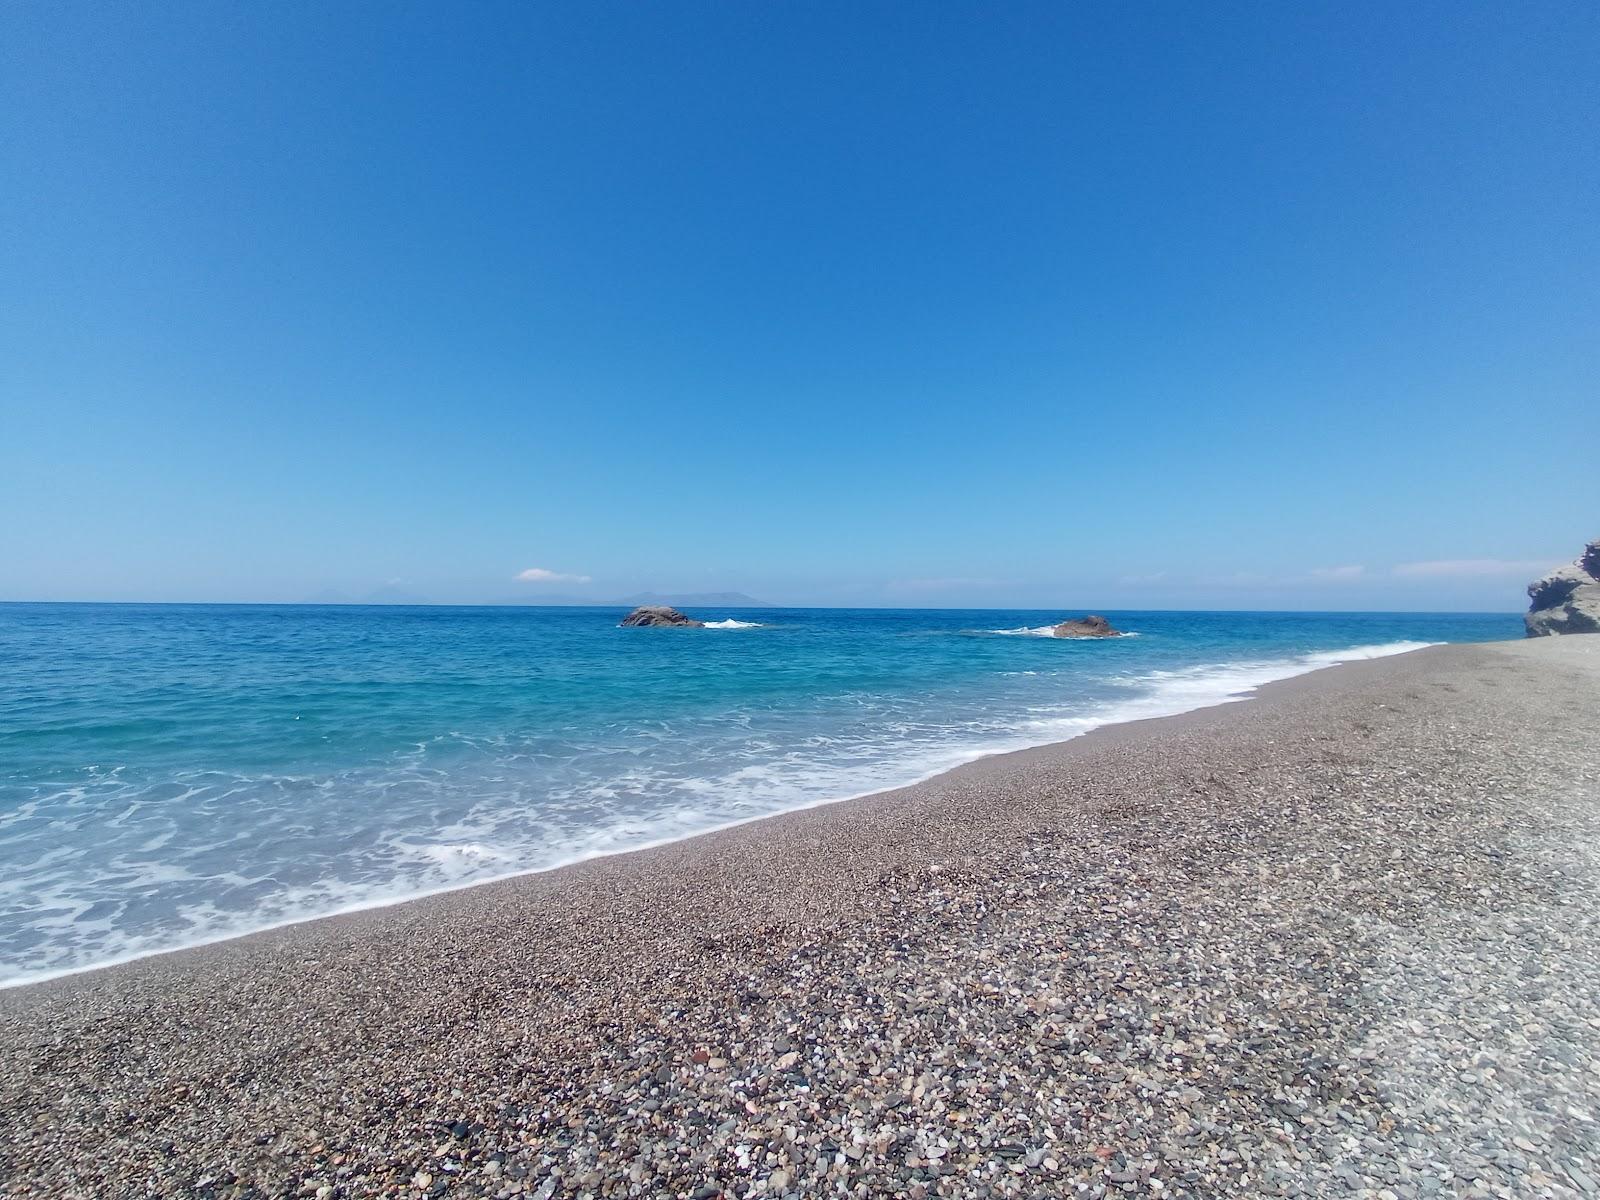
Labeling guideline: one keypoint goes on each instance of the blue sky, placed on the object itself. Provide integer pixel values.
(1064, 305)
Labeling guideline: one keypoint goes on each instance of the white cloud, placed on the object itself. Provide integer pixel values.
(540, 575)
(1472, 568)
(1338, 574)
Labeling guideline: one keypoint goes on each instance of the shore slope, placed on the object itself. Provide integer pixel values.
(1335, 940)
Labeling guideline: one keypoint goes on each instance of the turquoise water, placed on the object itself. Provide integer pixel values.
(173, 774)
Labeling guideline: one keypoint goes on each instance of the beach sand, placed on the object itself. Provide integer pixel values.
(1340, 939)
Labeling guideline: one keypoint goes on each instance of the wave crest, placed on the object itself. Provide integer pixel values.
(609, 798)
(1049, 631)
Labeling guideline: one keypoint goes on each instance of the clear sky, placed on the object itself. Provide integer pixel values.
(1145, 305)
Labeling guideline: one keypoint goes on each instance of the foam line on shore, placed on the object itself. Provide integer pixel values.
(1173, 692)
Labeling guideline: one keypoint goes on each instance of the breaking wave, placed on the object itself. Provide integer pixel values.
(1049, 631)
(234, 827)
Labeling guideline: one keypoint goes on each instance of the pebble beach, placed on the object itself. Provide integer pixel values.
(1337, 940)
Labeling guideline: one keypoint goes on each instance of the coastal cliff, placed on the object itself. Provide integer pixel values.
(1568, 599)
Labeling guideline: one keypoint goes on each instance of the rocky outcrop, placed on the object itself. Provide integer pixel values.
(1087, 627)
(659, 614)
(1568, 599)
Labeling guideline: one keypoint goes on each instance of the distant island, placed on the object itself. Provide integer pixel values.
(393, 595)
(711, 599)
(389, 594)
(668, 599)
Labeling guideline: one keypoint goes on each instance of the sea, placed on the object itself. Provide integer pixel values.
(172, 775)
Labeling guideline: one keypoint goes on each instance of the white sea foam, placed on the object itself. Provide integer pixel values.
(595, 813)
(730, 623)
(1189, 688)
(1049, 631)
(459, 856)
(1328, 658)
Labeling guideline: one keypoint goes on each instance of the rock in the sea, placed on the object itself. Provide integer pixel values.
(1568, 599)
(659, 614)
(1087, 627)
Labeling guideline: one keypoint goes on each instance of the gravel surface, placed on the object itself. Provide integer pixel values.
(1337, 941)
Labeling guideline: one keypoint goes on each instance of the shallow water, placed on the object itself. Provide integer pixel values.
(173, 774)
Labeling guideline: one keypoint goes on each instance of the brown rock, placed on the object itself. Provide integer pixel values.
(1087, 627)
(659, 614)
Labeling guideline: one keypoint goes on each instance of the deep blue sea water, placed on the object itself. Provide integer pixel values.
(172, 774)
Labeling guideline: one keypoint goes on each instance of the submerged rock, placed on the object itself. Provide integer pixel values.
(1568, 599)
(1087, 627)
(659, 614)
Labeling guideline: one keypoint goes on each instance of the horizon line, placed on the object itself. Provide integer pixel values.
(764, 607)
